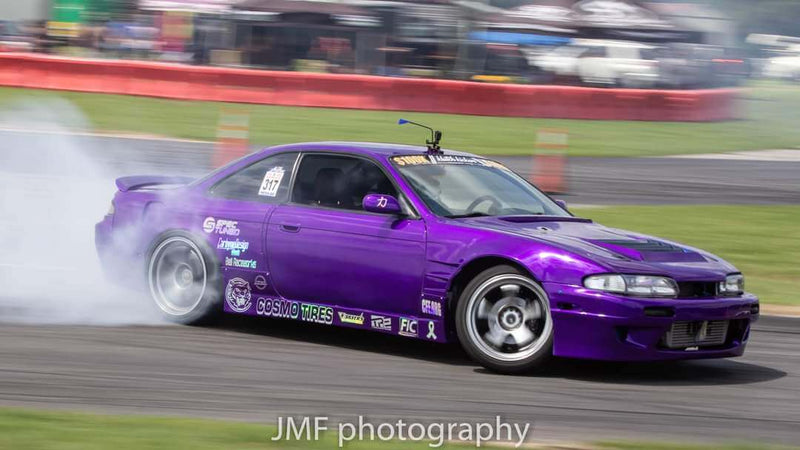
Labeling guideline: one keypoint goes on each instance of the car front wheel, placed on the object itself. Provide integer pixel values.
(184, 280)
(503, 321)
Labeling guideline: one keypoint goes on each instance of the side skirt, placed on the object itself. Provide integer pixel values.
(423, 328)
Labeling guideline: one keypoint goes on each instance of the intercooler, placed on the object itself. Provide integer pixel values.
(698, 333)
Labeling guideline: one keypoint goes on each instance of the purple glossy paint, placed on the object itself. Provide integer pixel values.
(389, 266)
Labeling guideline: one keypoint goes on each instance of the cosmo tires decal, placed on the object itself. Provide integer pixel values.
(272, 306)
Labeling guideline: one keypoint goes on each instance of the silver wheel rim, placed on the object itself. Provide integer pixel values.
(177, 276)
(509, 317)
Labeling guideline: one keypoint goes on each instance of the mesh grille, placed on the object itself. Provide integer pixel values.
(697, 289)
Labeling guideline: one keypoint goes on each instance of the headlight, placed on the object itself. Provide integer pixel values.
(733, 285)
(633, 285)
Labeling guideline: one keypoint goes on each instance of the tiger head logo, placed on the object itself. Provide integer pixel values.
(237, 295)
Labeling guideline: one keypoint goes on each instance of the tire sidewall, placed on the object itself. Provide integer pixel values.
(210, 306)
(527, 364)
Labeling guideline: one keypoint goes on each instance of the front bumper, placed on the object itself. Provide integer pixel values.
(593, 325)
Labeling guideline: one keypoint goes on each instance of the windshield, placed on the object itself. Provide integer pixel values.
(464, 186)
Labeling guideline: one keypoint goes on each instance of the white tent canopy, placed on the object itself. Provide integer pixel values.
(207, 6)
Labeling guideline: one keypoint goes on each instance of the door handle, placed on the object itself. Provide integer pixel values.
(290, 228)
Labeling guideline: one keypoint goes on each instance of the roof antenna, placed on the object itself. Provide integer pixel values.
(433, 143)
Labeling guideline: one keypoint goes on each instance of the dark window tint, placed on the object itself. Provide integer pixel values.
(648, 53)
(595, 52)
(264, 181)
(339, 181)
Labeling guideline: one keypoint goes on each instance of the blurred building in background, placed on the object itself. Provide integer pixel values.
(627, 43)
(28, 10)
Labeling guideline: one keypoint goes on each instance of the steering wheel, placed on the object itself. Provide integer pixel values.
(484, 198)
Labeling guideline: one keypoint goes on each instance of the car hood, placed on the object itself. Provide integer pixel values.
(618, 250)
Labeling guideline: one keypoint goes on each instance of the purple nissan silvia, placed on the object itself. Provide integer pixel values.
(435, 245)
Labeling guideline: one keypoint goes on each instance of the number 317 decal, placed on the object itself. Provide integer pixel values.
(272, 181)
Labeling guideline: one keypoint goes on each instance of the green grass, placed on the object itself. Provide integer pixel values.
(682, 446)
(762, 241)
(22, 429)
(41, 430)
(770, 116)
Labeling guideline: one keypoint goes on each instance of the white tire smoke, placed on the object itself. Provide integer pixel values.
(52, 192)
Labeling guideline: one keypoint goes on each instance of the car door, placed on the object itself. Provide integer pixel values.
(593, 65)
(233, 219)
(324, 248)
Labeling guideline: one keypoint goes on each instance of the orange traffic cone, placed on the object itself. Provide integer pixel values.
(550, 160)
(233, 136)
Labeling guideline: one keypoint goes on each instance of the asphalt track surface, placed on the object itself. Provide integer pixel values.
(258, 369)
(589, 180)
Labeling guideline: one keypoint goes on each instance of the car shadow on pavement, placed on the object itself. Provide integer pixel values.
(354, 339)
(671, 373)
(663, 373)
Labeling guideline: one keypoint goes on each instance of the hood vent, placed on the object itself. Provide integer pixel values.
(645, 246)
(534, 218)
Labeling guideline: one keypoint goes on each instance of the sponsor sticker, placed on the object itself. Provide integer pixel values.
(209, 224)
(237, 295)
(431, 331)
(408, 327)
(316, 313)
(232, 261)
(432, 307)
(275, 307)
(355, 319)
(260, 282)
(411, 160)
(381, 322)
(271, 182)
(418, 160)
(236, 247)
(288, 309)
(221, 226)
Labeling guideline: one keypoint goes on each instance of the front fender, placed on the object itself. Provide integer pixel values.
(451, 248)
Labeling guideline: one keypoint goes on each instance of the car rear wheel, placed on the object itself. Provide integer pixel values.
(184, 279)
(503, 321)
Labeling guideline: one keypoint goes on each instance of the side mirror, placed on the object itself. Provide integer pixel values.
(562, 204)
(380, 203)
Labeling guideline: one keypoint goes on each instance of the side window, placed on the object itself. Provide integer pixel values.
(338, 181)
(265, 181)
(595, 52)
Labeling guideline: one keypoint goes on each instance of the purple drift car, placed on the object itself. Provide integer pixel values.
(435, 245)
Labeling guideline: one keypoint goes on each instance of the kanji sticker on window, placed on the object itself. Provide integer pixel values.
(272, 181)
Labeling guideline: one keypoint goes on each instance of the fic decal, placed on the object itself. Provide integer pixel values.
(408, 327)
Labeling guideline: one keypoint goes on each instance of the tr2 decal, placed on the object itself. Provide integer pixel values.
(382, 323)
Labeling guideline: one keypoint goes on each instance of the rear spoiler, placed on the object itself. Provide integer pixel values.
(140, 181)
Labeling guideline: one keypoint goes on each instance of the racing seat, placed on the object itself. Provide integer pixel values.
(328, 187)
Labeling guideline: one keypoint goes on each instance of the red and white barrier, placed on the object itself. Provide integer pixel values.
(363, 92)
